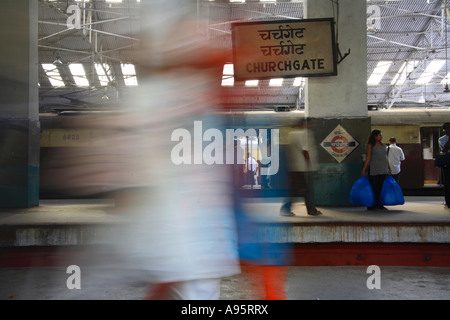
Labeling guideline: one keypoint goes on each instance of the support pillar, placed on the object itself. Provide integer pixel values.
(340, 100)
(19, 104)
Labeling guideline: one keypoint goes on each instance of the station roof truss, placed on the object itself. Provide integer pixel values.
(92, 65)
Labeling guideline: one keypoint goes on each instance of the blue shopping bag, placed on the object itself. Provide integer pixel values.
(391, 193)
(362, 193)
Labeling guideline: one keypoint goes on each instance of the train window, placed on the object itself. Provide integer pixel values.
(430, 147)
(427, 143)
(251, 176)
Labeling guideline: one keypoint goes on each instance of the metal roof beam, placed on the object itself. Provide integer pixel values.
(392, 92)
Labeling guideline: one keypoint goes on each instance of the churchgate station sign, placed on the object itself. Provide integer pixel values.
(282, 49)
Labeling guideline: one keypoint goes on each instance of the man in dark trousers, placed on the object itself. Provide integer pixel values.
(395, 157)
(302, 164)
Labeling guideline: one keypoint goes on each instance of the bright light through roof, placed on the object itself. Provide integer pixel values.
(430, 71)
(228, 69)
(405, 70)
(228, 72)
(251, 83)
(276, 82)
(129, 74)
(227, 80)
(446, 80)
(378, 73)
(79, 76)
(298, 81)
(103, 71)
(53, 75)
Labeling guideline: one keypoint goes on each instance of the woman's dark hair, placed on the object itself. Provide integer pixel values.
(372, 136)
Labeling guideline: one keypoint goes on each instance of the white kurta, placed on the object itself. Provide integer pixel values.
(184, 229)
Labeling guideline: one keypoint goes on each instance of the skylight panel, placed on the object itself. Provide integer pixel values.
(79, 76)
(430, 71)
(446, 80)
(404, 71)
(379, 72)
(228, 69)
(299, 81)
(228, 75)
(251, 83)
(278, 82)
(53, 75)
(103, 72)
(129, 74)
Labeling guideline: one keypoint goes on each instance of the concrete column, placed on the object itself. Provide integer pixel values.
(19, 104)
(340, 100)
(344, 95)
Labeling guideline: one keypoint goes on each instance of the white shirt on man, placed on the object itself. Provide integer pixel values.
(395, 157)
(299, 141)
(252, 164)
(442, 141)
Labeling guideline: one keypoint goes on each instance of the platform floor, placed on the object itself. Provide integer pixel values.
(303, 283)
(92, 211)
(80, 222)
(326, 267)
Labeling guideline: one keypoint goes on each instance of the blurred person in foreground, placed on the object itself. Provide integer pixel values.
(181, 227)
(180, 217)
(265, 265)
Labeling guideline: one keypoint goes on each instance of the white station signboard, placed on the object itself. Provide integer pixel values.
(283, 49)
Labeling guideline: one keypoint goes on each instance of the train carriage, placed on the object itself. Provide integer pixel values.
(416, 130)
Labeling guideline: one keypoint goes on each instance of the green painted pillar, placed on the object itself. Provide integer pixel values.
(19, 107)
(336, 106)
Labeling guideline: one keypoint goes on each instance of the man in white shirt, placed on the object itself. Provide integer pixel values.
(395, 157)
(302, 164)
(252, 166)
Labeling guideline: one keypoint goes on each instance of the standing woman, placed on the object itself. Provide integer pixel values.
(378, 165)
